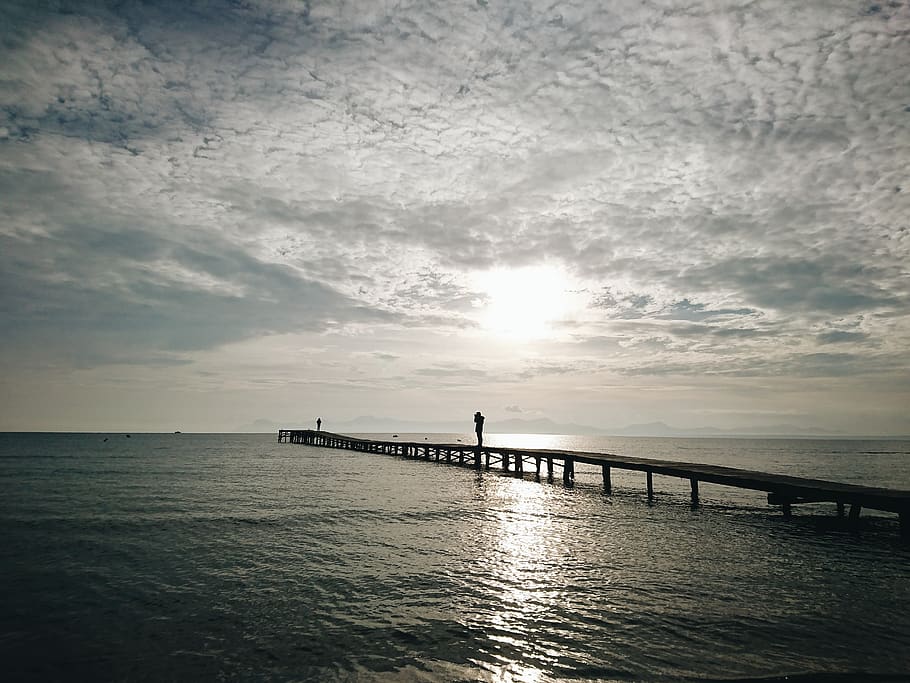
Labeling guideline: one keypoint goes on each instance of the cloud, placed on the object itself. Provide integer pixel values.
(828, 285)
(389, 357)
(726, 182)
(126, 288)
(841, 336)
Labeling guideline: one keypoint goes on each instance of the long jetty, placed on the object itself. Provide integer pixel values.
(782, 490)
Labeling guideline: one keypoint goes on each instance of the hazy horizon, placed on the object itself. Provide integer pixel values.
(373, 425)
(689, 213)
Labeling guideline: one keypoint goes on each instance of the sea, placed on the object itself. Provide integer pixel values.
(232, 557)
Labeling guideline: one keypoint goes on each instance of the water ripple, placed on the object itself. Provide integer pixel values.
(240, 558)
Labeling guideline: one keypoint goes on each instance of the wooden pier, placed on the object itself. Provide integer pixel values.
(782, 490)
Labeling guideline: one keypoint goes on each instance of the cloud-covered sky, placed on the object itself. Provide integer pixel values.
(603, 213)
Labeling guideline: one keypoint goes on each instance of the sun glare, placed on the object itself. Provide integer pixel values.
(522, 304)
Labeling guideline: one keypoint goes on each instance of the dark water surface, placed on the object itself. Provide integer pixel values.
(232, 557)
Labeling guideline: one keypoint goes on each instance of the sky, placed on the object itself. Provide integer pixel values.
(604, 213)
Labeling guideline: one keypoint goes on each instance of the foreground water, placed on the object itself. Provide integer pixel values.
(200, 557)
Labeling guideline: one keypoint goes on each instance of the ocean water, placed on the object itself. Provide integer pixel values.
(233, 557)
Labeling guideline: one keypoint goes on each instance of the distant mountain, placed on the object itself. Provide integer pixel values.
(359, 425)
(369, 424)
(260, 426)
(542, 425)
(662, 429)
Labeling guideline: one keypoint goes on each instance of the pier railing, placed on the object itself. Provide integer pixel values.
(782, 490)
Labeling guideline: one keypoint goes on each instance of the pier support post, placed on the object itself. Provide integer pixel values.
(487, 460)
(694, 484)
(461, 456)
(854, 512)
(537, 465)
(505, 461)
(519, 464)
(568, 470)
(650, 486)
(477, 458)
(550, 467)
(608, 484)
(840, 509)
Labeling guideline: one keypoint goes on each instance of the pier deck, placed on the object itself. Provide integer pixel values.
(782, 490)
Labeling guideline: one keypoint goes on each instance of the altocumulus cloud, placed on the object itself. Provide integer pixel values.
(725, 180)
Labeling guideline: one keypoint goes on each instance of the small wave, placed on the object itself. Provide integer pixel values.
(845, 677)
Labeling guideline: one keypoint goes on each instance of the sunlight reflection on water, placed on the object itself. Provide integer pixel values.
(522, 557)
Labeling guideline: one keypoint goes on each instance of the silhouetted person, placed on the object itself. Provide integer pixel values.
(478, 427)
(318, 423)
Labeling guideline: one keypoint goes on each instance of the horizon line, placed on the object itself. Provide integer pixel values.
(720, 435)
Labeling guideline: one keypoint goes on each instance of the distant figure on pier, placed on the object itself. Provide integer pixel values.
(478, 427)
(318, 423)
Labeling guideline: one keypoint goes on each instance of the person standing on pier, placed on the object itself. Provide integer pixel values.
(478, 427)
(318, 423)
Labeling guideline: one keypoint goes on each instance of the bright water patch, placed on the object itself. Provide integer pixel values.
(216, 556)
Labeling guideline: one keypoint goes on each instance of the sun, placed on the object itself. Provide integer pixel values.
(522, 304)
